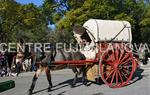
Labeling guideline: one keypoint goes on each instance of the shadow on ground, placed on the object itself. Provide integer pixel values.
(136, 77)
(68, 83)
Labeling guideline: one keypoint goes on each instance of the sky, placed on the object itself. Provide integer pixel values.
(36, 2)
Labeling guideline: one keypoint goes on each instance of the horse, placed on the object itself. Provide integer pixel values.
(48, 59)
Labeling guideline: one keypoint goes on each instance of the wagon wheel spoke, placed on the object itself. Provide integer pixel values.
(113, 77)
(116, 53)
(107, 71)
(124, 75)
(127, 67)
(111, 57)
(110, 74)
(107, 55)
(120, 76)
(113, 54)
(121, 55)
(116, 77)
(126, 71)
(125, 57)
(126, 61)
(104, 72)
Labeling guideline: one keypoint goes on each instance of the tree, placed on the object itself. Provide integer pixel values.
(145, 26)
(71, 12)
(19, 21)
(7, 11)
(31, 22)
(85, 10)
(132, 11)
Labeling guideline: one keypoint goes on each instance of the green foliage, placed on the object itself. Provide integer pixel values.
(146, 18)
(145, 26)
(21, 21)
(61, 36)
(79, 11)
(31, 22)
(88, 9)
(123, 16)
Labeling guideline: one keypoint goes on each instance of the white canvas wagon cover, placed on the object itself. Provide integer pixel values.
(108, 30)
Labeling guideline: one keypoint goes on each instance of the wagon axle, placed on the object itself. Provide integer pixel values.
(115, 65)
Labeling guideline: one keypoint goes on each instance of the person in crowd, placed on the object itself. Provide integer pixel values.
(4, 66)
(18, 59)
(142, 54)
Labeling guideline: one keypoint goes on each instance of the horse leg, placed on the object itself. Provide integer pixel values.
(74, 69)
(48, 75)
(35, 77)
(84, 71)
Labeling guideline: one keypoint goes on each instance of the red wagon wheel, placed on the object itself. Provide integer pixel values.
(117, 67)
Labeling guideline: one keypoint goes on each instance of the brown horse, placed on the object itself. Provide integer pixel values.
(47, 59)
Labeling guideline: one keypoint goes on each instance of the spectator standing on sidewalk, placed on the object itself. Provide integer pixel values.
(142, 54)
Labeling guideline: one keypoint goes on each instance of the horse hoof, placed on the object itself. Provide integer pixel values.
(85, 83)
(29, 92)
(72, 85)
(49, 89)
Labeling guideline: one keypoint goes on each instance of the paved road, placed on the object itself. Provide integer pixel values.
(62, 78)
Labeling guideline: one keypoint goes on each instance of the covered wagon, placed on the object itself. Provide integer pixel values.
(114, 61)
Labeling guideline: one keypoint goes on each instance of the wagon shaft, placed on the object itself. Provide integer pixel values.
(78, 62)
